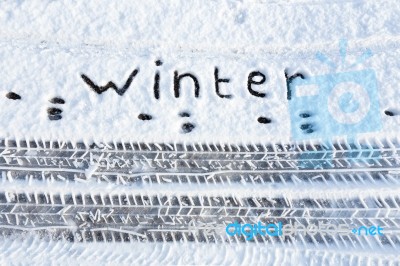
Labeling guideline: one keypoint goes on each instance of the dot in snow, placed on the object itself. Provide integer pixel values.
(304, 115)
(184, 114)
(145, 117)
(55, 117)
(309, 131)
(54, 111)
(188, 127)
(159, 62)
(389, 113)
(305, 126)
(57, 100)
(13, 96)
(263, 120)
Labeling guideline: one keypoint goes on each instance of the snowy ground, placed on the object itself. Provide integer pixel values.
(64, 49)
(46, 46)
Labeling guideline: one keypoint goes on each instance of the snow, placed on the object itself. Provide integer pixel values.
(57, 252)
(45, 47)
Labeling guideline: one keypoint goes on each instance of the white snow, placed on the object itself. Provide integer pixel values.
(57, 252)
(46, 45)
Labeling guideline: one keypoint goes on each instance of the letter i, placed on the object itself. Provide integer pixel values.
(156, 87)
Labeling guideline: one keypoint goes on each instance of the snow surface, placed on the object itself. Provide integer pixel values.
(56, 253)
(46, 45)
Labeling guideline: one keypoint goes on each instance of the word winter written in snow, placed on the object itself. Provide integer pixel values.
(255, 84)
(254, 79)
